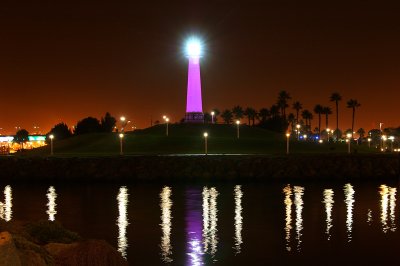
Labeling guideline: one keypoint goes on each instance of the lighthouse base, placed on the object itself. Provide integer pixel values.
(194, 117)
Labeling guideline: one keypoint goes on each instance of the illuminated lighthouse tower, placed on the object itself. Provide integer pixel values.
(194, 104)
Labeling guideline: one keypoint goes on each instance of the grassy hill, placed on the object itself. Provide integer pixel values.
(188, 139)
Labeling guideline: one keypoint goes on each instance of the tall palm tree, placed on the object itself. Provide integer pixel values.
(263, 114)
(318, 110)
(274, 110)
(251, 114)
(297, 106)
(326, 111)
(353, 104)
(336, 97)
(291, 120)
(238, 112)
(227, 116)
(282, 102)
(307, 116)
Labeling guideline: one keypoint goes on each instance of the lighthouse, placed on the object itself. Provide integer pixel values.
(194, 104)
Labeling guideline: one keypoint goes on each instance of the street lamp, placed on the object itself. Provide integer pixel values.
(205, 142)
(166, 123)
(384, 138)
(305, 136)
(328, 130)
(391, 143)
(123, 122)
(348, 141)
(212, 117)
(298, 131)
(238, 124)
(287, 142)
(121, 136)
(51, 143)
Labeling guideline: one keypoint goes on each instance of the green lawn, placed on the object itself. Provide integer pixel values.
(188, 139)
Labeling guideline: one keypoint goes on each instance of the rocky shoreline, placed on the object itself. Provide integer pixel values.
(200, 168)
(48, 243)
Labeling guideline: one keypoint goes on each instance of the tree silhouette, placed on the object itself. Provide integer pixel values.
(292, 120)
(274, 110)
(207, 118)
(87, 125)
(108, 123)
(60, 131)
(227, 116)
(263, 114)
(336, 97)
(307, 116)
(326, 111)
(282, 102)
(238, 112)
(353, 104)
(318, 110)
(21, 137)
(297, 106)
(251, 114)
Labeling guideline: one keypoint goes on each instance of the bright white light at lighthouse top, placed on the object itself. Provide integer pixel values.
(193, 48)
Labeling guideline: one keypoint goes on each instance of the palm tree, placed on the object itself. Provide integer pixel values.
(318, 110)
(361, 133)
(326, 111)
(238, 112)
(353, 104)
(263, 114)
(227, 116)
(297, 106)
(274, 110)
(283, 98)
(307, 116)
(336, 97)
(292, 120)
(251, 114)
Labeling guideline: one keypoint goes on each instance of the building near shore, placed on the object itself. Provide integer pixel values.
(7, 144)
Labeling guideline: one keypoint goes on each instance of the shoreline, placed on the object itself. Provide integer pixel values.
(154, 168)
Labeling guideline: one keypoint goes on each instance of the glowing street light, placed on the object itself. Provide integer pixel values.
(298, 131)
(305, 136)
(287, 142)
(384, 138)
(51, 143)
(369, 143)
(391, 143)
(122, 119)
(166, 123)
(238, 125)
(205, 142)
(349, 142)
(328, 130)
(121, 136)
(212, 117)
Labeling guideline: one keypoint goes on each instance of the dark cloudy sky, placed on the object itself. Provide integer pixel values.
(65, 60)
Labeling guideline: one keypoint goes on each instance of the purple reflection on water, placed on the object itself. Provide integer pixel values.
(194, 248)
(193, 100)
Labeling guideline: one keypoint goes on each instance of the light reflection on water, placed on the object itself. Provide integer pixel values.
(288, 217)
(210, 234)
(122, 220)
(51, 204)
(166, 225)
(238, 194)
(328, 201)
(7, 203)
(349, 201)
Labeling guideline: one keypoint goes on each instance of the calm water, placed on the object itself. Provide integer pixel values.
(253, 224)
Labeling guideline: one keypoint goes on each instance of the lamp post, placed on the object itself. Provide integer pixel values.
(205, 142)
(51, 143)
(121, 136)
(212, 117)
(167, 121)
(391, 143)
(122, 119)
(384, 138)
(238, 125)
(287, 142)
(298, 131)
(328, 130)
(305, 136)
(349, 142)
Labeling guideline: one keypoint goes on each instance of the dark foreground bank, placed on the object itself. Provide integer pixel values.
(194, 168)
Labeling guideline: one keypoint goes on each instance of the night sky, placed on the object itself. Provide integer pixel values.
(66, 60)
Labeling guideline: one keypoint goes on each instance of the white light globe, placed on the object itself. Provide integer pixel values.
(193, 48)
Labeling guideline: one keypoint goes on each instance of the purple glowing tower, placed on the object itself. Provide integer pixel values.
(194, 105)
